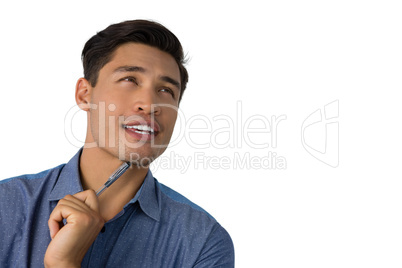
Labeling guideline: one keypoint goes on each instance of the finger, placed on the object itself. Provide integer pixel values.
(54, 227)
(74, 202)
(66, 207)
(61, 211)
(82, 202)
(55, 221)
(89, 198)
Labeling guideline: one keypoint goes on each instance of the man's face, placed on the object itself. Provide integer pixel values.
(134, 103)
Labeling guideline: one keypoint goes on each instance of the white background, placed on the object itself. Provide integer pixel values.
(277, 58)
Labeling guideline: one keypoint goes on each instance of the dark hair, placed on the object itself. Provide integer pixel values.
(99, 50)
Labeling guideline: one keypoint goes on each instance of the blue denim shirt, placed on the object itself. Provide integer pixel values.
(157, 228)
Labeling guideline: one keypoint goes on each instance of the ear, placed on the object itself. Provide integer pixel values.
(83, 92)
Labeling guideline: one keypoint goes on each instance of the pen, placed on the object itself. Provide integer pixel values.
(116, 174)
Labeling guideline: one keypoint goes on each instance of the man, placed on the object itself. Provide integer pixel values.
(134, 79)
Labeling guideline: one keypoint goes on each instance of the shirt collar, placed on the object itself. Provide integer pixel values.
(149, 198)
(69, 179)
(69, 183)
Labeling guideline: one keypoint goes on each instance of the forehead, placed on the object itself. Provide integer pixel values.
(150, 58)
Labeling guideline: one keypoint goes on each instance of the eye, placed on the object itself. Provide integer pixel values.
(130, 79)
(167, 90)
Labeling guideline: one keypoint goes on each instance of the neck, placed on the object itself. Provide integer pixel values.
(96, 165)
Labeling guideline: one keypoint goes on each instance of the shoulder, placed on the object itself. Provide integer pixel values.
(26, 184)
(200, 227)
(175, 199)
(31, 177)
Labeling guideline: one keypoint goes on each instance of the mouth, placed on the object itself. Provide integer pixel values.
(143, 131)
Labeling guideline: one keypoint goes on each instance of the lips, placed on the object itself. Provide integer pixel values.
(143, 130)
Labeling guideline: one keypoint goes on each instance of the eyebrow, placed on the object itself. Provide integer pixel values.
(170, 80)
(125, 69)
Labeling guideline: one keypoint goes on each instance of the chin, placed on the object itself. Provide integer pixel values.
(140, 158)
(141, 164)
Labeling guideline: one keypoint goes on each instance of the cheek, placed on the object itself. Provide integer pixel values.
(105, 116)
(93, 124)
(171, 117)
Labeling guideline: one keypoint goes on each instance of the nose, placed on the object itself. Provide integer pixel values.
(145, 102)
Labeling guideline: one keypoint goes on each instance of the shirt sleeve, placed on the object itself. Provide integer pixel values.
(218, 251)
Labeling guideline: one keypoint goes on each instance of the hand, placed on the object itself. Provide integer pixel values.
(71, 242)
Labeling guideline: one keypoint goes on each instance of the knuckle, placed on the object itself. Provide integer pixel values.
(61, 205)
(91, 191)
